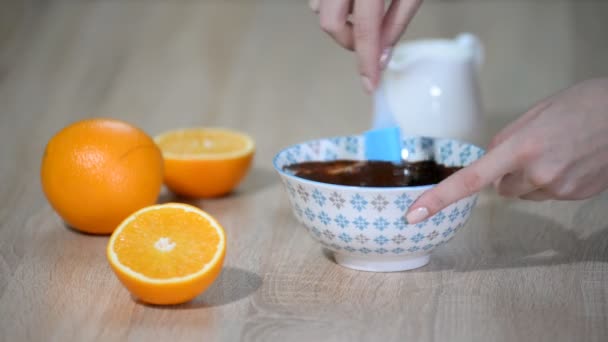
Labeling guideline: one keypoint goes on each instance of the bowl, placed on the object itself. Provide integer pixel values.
(365, 227)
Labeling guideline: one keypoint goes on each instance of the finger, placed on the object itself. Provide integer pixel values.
(396, 20)
(515, 184)
(518, 124)
(368, 16)
(314, 5)
(496, 182)
(463, 183)
(536, 195)
(333, 18)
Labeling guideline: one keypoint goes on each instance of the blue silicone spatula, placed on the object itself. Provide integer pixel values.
(383, 144)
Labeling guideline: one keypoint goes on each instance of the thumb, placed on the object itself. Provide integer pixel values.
(463, 183)
(367, 26)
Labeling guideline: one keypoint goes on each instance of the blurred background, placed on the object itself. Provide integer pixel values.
(230, 62)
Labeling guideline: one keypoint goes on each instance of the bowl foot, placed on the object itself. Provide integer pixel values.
(382, 264)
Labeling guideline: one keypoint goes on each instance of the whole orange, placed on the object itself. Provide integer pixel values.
(97, 172)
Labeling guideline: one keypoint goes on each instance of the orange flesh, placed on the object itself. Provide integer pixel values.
(202, 142)
(189, 243)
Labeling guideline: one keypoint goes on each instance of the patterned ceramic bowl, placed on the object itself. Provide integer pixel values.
(365, 227)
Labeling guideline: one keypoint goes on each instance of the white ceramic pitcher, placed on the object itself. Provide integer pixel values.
(430, 88)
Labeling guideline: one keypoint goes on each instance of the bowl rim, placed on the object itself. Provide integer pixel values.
(353, 187)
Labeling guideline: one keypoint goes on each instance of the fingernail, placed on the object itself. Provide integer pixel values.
(417, 215)
(385, 57)
(314, 5)
(367, 84)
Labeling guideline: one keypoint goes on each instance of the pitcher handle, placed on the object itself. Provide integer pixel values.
(474, 45)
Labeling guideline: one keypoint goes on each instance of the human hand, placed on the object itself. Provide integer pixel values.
(557, 150)
(371, 32)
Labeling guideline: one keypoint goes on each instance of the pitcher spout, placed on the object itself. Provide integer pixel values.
(473, 46)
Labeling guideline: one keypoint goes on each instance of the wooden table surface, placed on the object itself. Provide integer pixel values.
(517, 272)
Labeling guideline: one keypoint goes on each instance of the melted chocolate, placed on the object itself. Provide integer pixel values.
(372, 173)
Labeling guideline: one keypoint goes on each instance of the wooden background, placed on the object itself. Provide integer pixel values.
(517, 272)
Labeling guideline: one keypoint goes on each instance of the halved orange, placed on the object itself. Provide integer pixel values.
(167, 253)
(205, 162)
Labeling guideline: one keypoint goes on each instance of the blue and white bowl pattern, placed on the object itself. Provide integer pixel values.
(369, 221)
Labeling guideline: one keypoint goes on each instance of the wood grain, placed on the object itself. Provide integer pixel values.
(517, 272)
